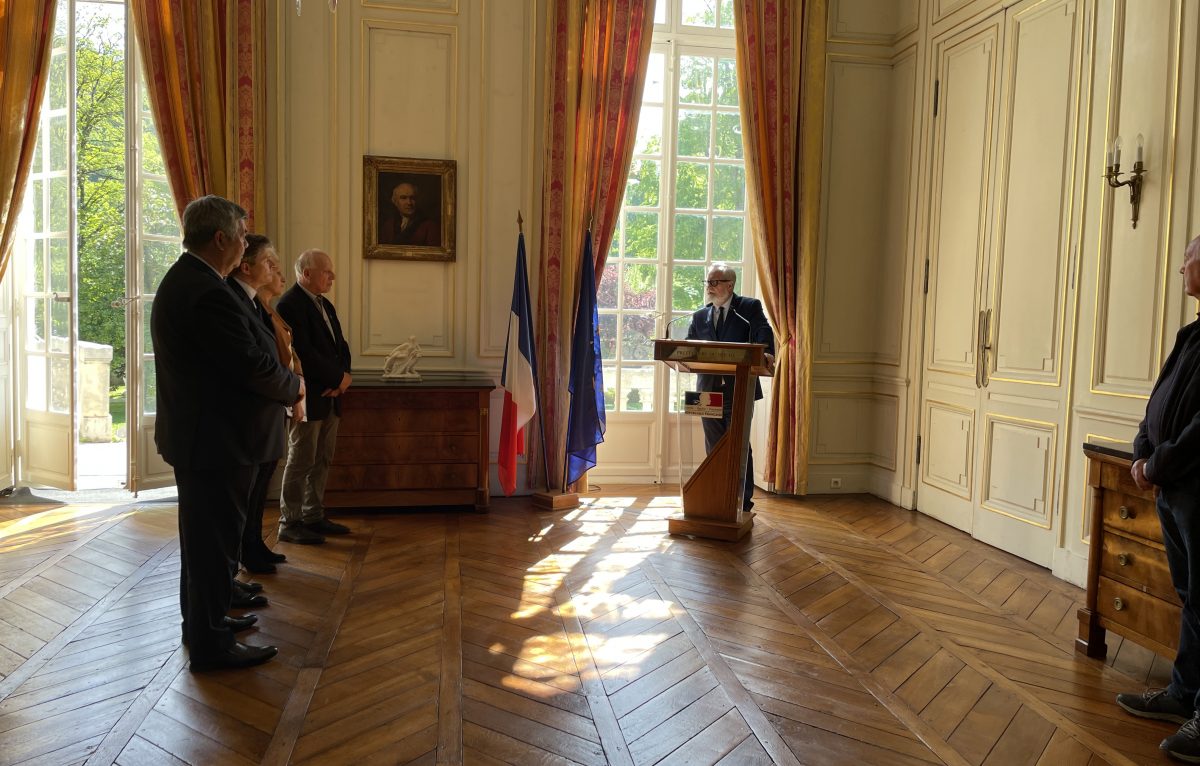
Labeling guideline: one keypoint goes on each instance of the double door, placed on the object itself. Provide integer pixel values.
(999, 299)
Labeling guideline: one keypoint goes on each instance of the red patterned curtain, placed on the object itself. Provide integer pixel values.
(205, 65)
(596, 67)
(781, 81)
(26, 39)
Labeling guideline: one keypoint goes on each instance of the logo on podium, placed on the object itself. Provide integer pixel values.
(706, 404)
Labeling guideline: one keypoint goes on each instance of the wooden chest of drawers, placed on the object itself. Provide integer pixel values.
(1129, 588)
(412, 443)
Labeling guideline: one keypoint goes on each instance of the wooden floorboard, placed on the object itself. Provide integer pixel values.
(842, 630)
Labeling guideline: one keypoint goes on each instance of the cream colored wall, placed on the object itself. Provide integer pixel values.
(863, 355)
(1143, 61)
(440, 79)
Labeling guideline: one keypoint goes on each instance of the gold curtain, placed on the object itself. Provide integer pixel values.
(781, 82)
(205, 65)
(595, 70)
(26, 39)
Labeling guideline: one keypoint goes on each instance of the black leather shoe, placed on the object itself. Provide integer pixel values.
(238, 624)
(270, 556)
(247, 587)
(242, 600)
(259, 566)
(327, 527)
(301, 535)
(237, 656)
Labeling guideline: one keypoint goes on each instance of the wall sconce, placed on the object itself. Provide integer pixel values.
(1112, 174)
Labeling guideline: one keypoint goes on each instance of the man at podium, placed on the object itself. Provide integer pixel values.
(730, 318)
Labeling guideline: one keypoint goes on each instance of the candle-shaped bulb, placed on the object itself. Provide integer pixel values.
(1141, 142)
(1117, 152)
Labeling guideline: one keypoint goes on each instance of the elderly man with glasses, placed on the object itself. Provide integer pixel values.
(730, 318)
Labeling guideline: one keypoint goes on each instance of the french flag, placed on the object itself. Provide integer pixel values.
(519, 377)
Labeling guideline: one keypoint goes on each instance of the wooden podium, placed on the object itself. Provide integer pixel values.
(712, 497)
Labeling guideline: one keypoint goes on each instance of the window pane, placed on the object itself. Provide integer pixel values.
(693, 134)
(700, 13)
(656, 69)
(729, 136)
(606, 295)
(649, 135)
(727, 88)
(679, 326)
(60, 384)
(641, 235)
(59, 142)
(641, 286)
(33, 201)
(729, 189)
(59, 85)
(726, 20)
(610, 388)
(637, 337)
(691, 185)
(35, 383)
(36, 276)
(60, 204)
(60, 326)
(687, 289)
(608, 337)
(641, 189)
(690, 237)
(695, 79)
(60, 256)
(158, 208)
(727, 238)
(149, 386)
(637, 389)
(157, 257)
(35, 324)
(152, 160)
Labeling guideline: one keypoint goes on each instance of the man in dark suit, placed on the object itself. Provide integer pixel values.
(1167, 459)
(325, 358)
(219, 386)
(730, 318)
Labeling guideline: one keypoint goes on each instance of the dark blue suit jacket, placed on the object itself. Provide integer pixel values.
(746, 323)
(323, 358)
(219, 385)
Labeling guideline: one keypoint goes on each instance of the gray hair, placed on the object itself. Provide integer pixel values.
(204, 217)
(725, 270)
(307, 260)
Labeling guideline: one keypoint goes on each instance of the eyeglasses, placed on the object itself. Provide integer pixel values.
(715, 282)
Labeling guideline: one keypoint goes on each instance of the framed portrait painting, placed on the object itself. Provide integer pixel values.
(408, 209)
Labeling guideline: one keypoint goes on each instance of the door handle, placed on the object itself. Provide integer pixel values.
(61, 297)
(123, 301)
(984, 346)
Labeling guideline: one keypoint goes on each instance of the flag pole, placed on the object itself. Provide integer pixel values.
(537, 389)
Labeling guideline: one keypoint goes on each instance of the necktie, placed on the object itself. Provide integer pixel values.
(325, 315)
(720, 318)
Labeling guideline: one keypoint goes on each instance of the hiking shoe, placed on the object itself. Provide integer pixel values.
(1185, 743)
(1157, 704)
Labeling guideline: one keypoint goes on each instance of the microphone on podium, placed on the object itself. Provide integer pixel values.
(667, 329)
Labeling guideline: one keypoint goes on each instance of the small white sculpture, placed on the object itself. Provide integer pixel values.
(401, 363)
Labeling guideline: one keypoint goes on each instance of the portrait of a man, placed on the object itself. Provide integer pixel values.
(408, 208)
(406, 216)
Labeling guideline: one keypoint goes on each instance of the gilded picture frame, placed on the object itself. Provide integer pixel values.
(409, 208)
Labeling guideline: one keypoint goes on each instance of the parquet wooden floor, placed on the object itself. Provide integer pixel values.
(842, 631)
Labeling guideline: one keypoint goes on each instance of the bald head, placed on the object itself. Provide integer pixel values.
(314, 271)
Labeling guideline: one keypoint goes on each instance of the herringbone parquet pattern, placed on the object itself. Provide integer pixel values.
(842, 631)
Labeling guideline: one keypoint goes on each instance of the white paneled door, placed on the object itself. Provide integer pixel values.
(999, 301)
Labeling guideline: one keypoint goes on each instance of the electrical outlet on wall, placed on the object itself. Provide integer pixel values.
(835, 483)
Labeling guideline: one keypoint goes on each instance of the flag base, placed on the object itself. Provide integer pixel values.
(555, 500)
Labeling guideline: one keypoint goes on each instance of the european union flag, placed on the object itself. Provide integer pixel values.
(585, 419)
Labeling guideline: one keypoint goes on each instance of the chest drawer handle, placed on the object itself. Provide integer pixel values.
(1126, 513)
(1123, 559)
(1118, 604)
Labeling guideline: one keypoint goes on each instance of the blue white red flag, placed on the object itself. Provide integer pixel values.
(518, 378)
(585, 422)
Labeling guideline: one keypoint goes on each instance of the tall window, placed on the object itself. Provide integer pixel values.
(685, 200)
(98, 207)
